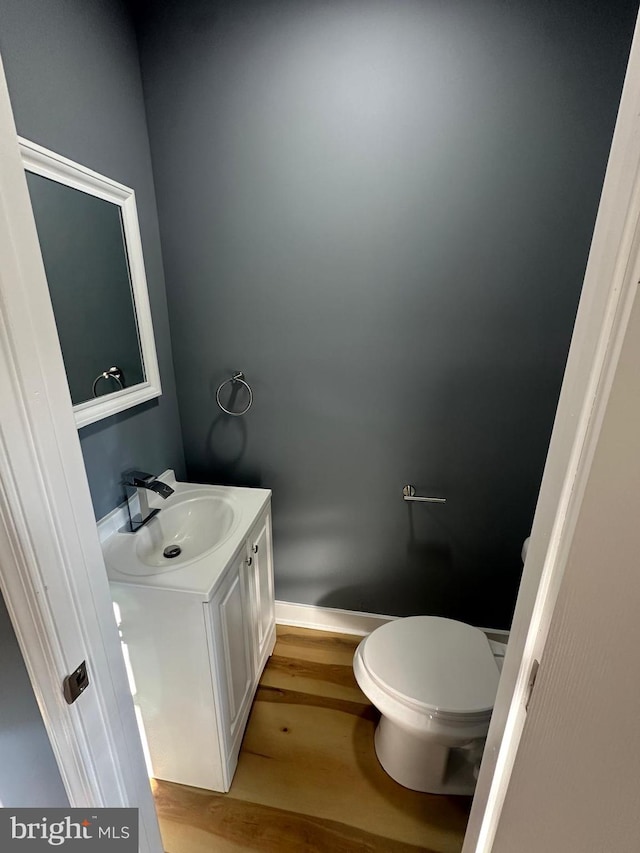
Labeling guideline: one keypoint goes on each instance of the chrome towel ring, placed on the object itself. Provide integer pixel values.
(113, 373)
(237, 377)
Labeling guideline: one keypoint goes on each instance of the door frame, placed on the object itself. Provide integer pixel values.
(51, 568)
(601, 324)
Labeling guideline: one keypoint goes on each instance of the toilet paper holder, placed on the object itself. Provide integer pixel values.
(409, 494)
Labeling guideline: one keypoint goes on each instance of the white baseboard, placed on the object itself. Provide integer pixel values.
(346, 621)
(328, 618)
(497, 634)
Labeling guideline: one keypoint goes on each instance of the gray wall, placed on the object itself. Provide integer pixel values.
(29, 775)
(381, 212)
(74, 81)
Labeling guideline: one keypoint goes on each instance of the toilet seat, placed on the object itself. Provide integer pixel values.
(434, 665)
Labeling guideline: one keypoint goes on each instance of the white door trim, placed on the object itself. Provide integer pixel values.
(51, 569)
(609, 289)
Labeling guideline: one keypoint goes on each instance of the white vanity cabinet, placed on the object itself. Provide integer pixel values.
(195, 659)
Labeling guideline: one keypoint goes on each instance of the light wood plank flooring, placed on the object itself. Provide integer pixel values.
(308, 778)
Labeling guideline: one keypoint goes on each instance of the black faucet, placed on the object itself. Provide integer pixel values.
(136, 484)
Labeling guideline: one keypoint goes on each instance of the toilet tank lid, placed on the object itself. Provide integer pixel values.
(439, 663)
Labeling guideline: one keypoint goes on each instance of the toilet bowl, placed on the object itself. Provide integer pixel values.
(434, 681)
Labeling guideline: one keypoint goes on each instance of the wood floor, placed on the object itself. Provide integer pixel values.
(308, 779)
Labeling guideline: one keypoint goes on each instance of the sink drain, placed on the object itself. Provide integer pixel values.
(172, 551)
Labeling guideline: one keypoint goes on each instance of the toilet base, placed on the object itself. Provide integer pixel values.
(423, 764)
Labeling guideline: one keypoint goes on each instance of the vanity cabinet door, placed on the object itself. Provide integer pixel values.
(260, 564)
(230, 615)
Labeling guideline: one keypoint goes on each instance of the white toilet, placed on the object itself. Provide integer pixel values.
(434, 681)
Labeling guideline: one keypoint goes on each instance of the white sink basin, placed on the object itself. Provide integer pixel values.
(189, 526)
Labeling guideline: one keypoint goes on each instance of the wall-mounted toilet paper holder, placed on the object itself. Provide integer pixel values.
(409, 494)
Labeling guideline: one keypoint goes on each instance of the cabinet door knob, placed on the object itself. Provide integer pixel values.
(254, 548)
(249, 560)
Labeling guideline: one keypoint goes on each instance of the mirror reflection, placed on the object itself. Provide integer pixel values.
(91, 249)
(85, 258)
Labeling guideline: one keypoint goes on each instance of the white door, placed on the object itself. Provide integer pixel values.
(601, 329)
(51, 569)
(230, 616)
(574, 788)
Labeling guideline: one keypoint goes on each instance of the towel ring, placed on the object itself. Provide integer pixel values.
(112, 373)
(237, 377)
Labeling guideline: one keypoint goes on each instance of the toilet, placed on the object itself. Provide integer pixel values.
(434, 681)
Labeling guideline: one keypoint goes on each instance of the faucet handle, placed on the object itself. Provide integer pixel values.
(136, 484)
(136, 478)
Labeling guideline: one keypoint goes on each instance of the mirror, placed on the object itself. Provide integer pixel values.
(90, 242)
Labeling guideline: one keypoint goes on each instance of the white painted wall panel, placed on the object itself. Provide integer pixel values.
(575, 783)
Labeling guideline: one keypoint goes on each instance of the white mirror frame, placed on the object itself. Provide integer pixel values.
(48, 164)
